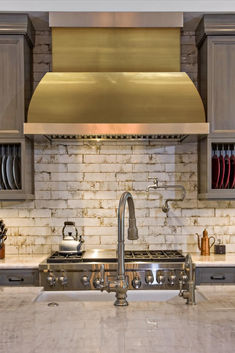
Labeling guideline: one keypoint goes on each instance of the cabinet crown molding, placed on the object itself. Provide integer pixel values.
(215, 25)
(15, 23)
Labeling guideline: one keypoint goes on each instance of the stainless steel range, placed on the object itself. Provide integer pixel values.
(159, 269)
(120, 271)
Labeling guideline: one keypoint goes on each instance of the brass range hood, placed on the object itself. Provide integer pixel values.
(116, 83)
(133, 104)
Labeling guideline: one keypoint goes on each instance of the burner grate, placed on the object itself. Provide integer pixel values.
(65, 258)
(130, 256)
(154, 255)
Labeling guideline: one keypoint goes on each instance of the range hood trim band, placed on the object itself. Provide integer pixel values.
(50, 129)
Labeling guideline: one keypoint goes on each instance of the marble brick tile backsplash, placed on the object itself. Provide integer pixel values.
(83, 181)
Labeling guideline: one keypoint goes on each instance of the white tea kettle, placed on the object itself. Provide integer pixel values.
(71, 242)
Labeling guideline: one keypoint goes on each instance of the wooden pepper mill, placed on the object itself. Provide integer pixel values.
(2, 251)
(205, 243)
(3, 237)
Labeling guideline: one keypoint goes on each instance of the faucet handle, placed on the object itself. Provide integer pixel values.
(155, 184)
(155, 180)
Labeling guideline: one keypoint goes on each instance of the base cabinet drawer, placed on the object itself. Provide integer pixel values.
(215, 275)
(19, 277)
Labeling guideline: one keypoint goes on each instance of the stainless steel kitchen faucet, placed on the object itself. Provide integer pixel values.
(120, 285)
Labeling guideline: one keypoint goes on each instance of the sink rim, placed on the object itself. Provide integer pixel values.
(162, 295)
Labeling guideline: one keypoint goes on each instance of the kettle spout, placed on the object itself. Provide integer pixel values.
(198, 241)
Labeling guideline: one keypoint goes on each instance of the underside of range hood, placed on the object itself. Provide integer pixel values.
(142, 105)
(70, 138)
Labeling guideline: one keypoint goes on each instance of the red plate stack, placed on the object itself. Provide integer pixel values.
(223, 166)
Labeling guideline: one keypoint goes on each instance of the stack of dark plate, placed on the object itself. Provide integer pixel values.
(223, 166)
(10, 167)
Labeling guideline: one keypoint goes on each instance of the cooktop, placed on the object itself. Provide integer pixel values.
(110, 256)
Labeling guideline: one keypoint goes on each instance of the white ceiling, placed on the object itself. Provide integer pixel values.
(118, 5)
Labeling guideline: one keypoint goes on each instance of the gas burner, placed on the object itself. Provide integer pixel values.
(154, 255)
(65, 258)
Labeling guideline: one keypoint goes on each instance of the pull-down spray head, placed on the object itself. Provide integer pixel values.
(132, 230)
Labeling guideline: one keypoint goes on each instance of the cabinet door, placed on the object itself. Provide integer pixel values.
(19, 277)
(221, 83)
(11, 83)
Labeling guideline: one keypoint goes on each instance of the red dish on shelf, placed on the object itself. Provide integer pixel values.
(227, 168)
(215, 171)
(232, 172)
(222, 170)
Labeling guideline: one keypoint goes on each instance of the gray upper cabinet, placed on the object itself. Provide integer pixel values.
(215, 37)
(16, 150)
(16, 41)
(221, 102)
(11, 84)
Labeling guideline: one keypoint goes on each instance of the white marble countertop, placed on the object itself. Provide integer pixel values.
(21, 261)
(99, 327)
(213, 260)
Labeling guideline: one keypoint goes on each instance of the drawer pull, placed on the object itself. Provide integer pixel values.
(15, 279)
(218, 278)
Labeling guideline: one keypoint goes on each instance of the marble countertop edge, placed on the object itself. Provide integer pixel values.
(22, 261)
(33, 261)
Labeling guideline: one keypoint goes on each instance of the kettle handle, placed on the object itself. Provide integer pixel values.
(212, 242)
(67, 223)
(70, 224)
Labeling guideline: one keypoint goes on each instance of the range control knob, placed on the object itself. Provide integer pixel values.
(149, 277)
(172, 278)
(63, 280)
(51, 279)
(85, 280)
(136, 282)
(97, 282)
(161, 277)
